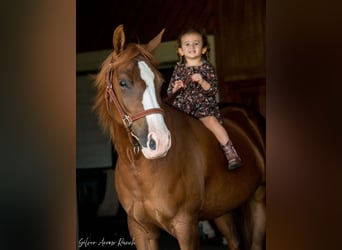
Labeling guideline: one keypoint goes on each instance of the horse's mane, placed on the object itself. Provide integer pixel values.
(132, 51)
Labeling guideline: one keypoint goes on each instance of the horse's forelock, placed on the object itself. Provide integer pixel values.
(132, 51)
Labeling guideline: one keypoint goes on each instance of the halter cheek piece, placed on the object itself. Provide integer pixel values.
(127, 119)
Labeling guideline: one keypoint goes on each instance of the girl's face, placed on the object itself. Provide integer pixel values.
(192, 46)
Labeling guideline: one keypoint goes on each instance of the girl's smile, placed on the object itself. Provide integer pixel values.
(192, 46)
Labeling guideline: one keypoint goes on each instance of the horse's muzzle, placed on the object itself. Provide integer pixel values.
(158, 144)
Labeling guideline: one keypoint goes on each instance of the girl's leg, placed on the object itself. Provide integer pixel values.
(216, 128)
(221, 134)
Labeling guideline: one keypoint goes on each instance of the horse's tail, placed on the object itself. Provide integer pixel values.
(243, 221)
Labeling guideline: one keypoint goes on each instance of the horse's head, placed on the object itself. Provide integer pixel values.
(129, 94)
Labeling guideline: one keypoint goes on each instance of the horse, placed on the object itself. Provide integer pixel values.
(170, 172)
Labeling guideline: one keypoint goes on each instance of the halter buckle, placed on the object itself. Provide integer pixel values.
(136, 148)
(127, 121)
(135, 143)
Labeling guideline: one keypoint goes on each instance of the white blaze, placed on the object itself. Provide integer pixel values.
(149, 97)
(156, 125)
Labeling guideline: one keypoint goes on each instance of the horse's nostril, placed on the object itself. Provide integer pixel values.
(152, 144)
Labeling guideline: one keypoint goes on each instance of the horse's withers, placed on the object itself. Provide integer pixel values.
(158, 137)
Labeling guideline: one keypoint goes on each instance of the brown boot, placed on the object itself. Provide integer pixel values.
(234, 161)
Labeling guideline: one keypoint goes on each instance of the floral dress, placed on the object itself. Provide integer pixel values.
(192, 98)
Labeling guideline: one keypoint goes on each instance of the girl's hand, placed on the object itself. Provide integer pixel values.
(197, 78)
(203, 83)
(178, 84)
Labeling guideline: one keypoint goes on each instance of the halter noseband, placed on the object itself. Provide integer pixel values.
(127, 120)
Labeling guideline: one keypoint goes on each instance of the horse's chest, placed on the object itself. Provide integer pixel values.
(149, 202)
(147, 212)
(150, 208)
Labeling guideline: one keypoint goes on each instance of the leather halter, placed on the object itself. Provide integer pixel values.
(127, 119)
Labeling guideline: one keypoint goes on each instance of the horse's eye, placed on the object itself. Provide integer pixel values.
(123, 83)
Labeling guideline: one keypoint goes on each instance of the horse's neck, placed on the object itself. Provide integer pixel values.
(121, 138)
(188, 132)
(178, 121)
(184, 129)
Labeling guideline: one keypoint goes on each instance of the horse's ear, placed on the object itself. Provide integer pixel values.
(118, 39)
(153, 44)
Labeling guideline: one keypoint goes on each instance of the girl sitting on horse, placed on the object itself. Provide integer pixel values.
(195, 81)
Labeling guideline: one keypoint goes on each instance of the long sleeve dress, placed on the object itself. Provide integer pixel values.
(193, 99)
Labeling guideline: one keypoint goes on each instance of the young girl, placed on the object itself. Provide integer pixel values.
(196, 80)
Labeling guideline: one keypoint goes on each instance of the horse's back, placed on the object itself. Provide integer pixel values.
(250, 121)
(245, 127)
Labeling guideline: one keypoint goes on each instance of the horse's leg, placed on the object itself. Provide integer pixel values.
(258, 213)
(226, 226)
(187, 235)
(143, 239)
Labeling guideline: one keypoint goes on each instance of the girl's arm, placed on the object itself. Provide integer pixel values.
(209, 82)
(172, 81)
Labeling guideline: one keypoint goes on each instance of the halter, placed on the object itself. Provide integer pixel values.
(127, 119)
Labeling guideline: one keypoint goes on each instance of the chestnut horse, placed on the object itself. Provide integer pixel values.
(171, 172)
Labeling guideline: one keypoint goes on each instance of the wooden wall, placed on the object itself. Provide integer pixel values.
(93, 146)
(238, 27)
(240, 52)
